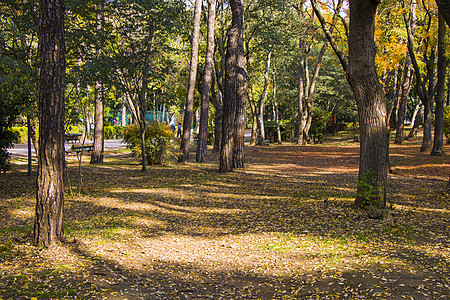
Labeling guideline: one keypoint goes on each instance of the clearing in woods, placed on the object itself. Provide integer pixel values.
(281, 228)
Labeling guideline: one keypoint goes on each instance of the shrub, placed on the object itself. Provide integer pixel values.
(113, 132)
(319, 123)
(7, 139)
(158, 141)
(447, 123)
(21, 135)
(72, 129)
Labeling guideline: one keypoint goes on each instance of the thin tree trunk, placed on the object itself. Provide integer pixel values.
(207, 80)
(300, 97)
(189, 110)
(275, 108)
(438, 142)
(48, 223)
(251, 101)
(401, 111)
(124, 112)
(29, 169)
(262, 99)
(98, 147)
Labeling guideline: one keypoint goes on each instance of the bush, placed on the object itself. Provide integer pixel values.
(447, 123)
(72, 129)
(158, 141)
(319, 124)
(21, 135)
(113, 132)
(7, 139)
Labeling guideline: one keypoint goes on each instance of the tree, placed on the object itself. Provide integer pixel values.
(98, 147)
(438, 142)
(189, 110)
(362, 77)
(48, 225)
(235, 89)
(207, 82)
(425, 69)
(444, 9)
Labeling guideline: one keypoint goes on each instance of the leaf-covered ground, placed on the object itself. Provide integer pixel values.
(281, 228)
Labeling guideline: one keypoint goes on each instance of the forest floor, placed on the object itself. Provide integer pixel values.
(283, 227)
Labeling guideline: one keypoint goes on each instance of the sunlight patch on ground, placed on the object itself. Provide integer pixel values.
(22, 213)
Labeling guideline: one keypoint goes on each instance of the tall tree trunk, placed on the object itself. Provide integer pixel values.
(98, 147)
(262, 99)
(275, 108)
(401, 111)
(230, 98)
(370, 98)
(207, 80)
(300, 97)
(124, 112)
(217, 103)
(189, 110)
(241, 87)
(48, 223)
(444, 9)
(438, 142)
(251, 101)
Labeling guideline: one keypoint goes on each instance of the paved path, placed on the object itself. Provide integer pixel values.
(22, 149)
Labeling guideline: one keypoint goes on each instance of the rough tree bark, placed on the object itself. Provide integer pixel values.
(234, 90)
(370, 99)
(207, 80)
(241, 88)
(189, 110)
(438, 142)
(48, 224)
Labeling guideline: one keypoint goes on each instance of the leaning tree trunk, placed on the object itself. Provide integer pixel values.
(207, 80)
(371, 104)
(438, 142)
(48, 224)
(262, 99)
(189, 111)
(241, 87)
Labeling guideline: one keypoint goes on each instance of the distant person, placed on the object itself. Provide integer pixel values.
(179, 130)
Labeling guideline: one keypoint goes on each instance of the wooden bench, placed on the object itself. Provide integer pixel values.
(78, 148)
(72, 137)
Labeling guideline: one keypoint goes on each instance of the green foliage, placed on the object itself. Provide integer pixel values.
(447, 123)
(158, 141)
(319, 123)
(21, 135)
(114, 132)
(6, 141)
(368, 193)
(72, 129)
